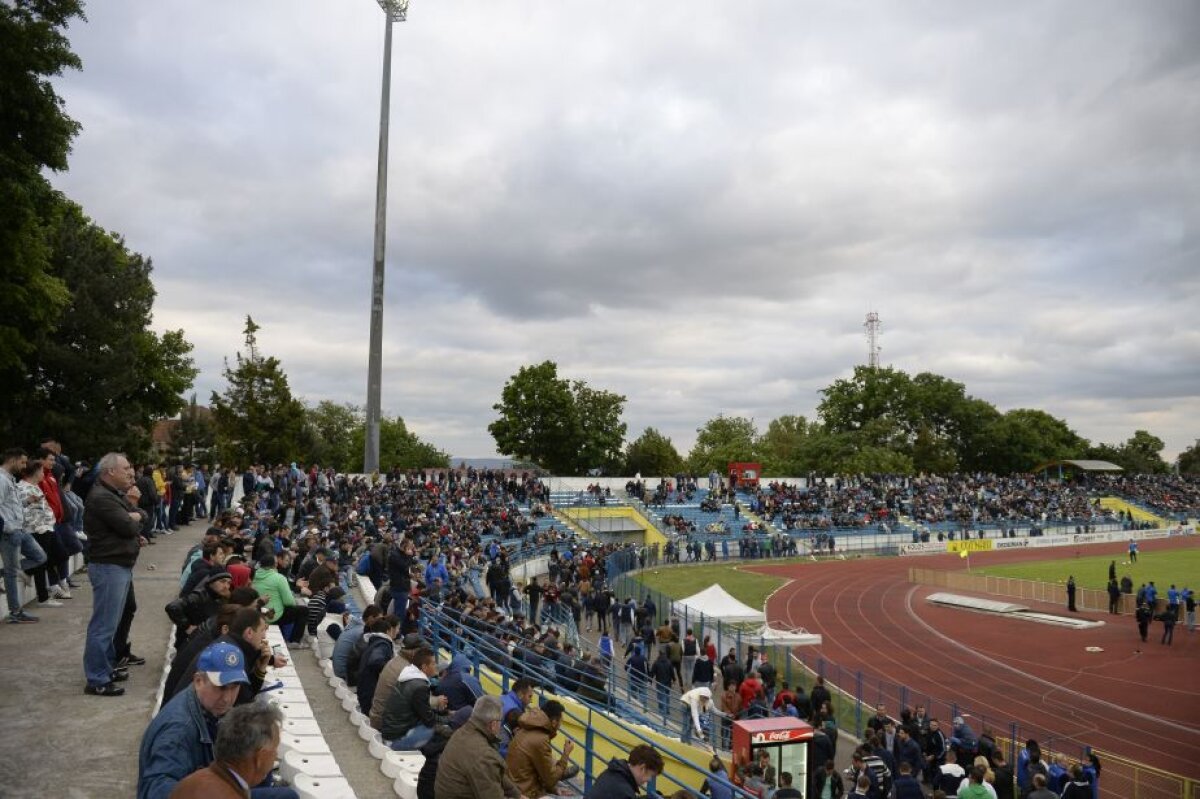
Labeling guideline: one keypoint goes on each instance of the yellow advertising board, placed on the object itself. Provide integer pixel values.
(971, 545)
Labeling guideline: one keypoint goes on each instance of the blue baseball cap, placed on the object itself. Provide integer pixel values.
(223, 664)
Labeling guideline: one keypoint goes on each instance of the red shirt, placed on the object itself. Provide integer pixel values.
(49, 487)
(749, 689)
(239, 574)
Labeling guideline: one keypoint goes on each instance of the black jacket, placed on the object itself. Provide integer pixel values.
(398, 567)
(112, 534)
(197, 607)
(662, 671)
(380, 649)
(616, 782)
(248, 691)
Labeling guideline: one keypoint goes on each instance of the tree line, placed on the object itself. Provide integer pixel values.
(878, 421)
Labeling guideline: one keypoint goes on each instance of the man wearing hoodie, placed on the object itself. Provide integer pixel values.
(518, 698)
(470, 767)
(460, 687)
(391, 673)
(697, 704)
(350, 636)
(531, 761)
(408, 718)
(623, 778)
(196, 607)
(381, 647)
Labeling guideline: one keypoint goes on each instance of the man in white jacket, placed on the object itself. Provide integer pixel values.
(695, 702)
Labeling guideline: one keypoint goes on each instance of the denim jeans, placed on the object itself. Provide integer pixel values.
(110, 587)
(400, 605)
(414, 739)
(20, 552)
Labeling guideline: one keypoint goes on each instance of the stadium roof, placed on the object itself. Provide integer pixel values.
(1087, 466)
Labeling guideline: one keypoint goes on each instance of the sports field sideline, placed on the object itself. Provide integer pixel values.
(1181, 567)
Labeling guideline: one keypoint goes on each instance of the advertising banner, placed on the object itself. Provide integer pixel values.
(972, 545)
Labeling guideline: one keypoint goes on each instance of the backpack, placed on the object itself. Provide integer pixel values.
(364, 564)
(689, 647)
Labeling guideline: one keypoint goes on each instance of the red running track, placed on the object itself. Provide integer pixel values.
(1137, 700)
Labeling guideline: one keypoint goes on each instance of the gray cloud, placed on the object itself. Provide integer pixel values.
(691, 205)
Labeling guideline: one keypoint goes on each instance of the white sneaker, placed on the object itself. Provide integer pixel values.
(61, 593)
(50, 603)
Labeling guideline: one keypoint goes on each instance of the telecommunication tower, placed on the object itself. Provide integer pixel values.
(872, 328)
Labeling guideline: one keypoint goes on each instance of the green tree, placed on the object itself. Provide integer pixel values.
(400, 448)
(258, 420)
(35, 134)
(195, 432)
(652, 455)
(1188, 461)
(101, 376)
(784, 448)
(330, 429)
(1024, 438)
(564, 427)
(1141, 454)
(721, 441)
(600, 431)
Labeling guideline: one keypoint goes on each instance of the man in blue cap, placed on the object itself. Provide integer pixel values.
(180, 739)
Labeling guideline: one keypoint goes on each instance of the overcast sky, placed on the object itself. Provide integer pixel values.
(693, 204)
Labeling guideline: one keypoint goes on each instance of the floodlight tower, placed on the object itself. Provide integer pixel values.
(872, 327)
(393, 11)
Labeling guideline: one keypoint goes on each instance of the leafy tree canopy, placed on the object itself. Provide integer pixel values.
(565, 427)
(99, 376)
(652, 455)
(257, 418)
(721, 441)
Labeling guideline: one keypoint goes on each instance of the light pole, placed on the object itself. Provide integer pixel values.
(393, 11)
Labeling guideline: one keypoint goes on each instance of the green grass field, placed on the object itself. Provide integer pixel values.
(679, 582)
(1179, 566)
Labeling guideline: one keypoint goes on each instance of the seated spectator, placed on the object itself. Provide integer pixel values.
(323, 601)
(531, 761)
(245, 751)
(458, 685)
(381, 648)
(248, 632)
(717, 785)
(409, 720)
(470, 766)
(190, 610)
(519, 697)
(281, 603)
(906, 785)
(950, 774)
(1040, 791)
(180, 738)
(350, 636)
(391, 672)
(624, 778)
(205, 634)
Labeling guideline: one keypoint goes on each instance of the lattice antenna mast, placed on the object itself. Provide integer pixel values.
(872, 327)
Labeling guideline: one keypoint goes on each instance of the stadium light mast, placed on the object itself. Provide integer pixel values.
(393, 11)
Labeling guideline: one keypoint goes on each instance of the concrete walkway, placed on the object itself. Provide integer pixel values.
(56, 741)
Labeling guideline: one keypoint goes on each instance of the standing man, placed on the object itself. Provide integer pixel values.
(1114, 596)
(113, 524)
(1071, 594)
(1133, 550)
(19, 549)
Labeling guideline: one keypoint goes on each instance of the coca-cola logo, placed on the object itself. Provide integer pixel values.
(778, 736)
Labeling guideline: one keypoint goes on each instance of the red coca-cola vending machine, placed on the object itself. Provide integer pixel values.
(784, 738)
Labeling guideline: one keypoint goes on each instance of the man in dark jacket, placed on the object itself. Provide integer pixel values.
(409, 721)
(248, 632)
(458, 685)
(401, 559)
(113, 524)
(664, 676)
(623, 778)
(190, 611)
(380, 649)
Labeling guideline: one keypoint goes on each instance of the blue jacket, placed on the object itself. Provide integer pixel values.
(178, 741)
(907, 787)
(460, 686)
(510, 702)
(436, 570)
(345, 645)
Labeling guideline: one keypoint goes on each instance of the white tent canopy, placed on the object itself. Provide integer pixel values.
(718, 603)
(796, 637)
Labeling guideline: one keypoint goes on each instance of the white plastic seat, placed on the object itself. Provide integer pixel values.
(405, 786)
(343, 691)
(295, 710)
(290, 695)
(327, 667)
(378, 747)
(295, 763)
(301, 727)
(305, 744)
(336, 682)
(349, 702)
(323, 787)
(358, 719)
(396, 763)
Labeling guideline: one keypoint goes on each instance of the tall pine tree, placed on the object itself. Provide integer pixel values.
(257, 418)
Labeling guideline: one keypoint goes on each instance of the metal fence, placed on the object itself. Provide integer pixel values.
(1092, 599)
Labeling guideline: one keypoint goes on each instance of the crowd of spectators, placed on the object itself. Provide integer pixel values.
(1173, 495)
